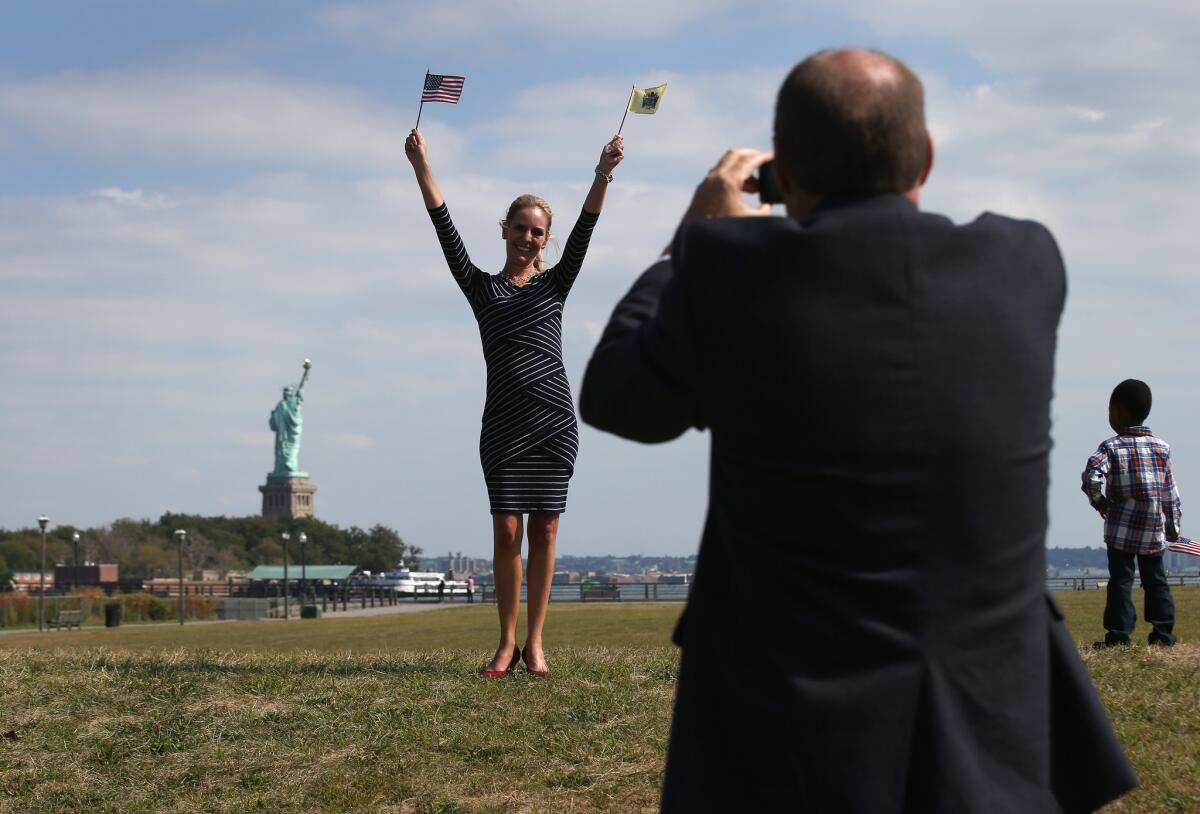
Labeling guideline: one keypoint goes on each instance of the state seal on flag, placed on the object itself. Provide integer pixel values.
(646, 100)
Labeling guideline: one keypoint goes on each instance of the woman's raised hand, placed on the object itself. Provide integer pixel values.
(414, 147)
(611, 155)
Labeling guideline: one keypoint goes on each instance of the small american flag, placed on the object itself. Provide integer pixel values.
(440, 88)
(1185, 546)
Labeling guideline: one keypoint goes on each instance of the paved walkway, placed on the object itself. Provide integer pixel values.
(402, 607)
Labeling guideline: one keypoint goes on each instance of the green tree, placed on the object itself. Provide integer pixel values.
(20, 550)
(385, 547)
(267, 552)
(226, 560)
(145, 548)
(148, 560)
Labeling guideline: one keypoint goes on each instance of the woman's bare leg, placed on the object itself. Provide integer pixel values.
(543, 534)
(506, 568)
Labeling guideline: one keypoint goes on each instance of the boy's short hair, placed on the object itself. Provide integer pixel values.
(1134, 396)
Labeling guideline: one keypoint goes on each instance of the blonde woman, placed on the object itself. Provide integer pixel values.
(529, 437)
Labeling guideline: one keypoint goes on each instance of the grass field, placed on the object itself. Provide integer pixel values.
(387, 714)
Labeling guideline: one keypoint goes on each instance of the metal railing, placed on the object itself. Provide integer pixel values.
(1094, 583)
(614, 591)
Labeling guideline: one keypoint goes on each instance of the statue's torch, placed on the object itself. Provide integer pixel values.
(304, 378)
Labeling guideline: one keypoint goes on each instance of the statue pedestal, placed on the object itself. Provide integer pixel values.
(288, 495)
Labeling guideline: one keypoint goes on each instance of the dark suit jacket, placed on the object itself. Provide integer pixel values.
(869, 629)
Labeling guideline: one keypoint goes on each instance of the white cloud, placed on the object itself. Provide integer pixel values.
(700, 116)
(1086, 113)
(1020, 34)
(267, 121)
(407, 25)
(1117, 190)
(208, 115)
(132, 197)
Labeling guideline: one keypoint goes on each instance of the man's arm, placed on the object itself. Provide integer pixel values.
(640, 382)
(1093, 481)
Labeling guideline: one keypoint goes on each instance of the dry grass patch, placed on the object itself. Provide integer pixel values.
(316, 719)
(251, 732)
(1153, 697)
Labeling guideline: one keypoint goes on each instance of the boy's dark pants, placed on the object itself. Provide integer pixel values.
(1119, 613)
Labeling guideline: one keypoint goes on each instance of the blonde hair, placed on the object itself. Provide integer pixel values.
(522, 202)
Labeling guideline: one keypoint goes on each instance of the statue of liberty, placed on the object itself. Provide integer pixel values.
(287, 423)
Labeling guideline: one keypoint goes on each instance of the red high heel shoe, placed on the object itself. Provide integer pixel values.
(533, 672)
(511, 664)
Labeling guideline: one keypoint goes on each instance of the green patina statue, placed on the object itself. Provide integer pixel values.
(288, 424)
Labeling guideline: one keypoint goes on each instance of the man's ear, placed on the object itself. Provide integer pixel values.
(928, 159)
(503, 232)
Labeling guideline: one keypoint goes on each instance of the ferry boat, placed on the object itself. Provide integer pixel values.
(413, 583)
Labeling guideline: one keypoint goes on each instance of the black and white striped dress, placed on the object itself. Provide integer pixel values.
(529, 437)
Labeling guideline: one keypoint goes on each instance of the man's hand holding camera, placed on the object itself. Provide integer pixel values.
(720, 193)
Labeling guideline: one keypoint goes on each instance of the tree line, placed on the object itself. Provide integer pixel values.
(145, 548)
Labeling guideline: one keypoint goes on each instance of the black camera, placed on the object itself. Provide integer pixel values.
(768, 186)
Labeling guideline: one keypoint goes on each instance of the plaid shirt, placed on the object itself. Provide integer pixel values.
(1140, 493)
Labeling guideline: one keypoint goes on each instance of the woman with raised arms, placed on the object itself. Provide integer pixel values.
(529, 437)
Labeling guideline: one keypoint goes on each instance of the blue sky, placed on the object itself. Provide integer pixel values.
(196, 195)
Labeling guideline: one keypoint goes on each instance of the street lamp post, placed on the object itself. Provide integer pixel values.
(286, 607)
(303, 571)
(75, 573)
(43, 521)
(181, 538)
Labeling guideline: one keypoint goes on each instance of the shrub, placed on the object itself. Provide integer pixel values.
(21, 609)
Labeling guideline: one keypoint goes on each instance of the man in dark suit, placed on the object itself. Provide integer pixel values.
(877, 383)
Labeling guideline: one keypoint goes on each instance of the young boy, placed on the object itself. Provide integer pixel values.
(1140, 507)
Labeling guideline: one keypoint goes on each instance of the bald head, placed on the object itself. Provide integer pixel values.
(851, 122)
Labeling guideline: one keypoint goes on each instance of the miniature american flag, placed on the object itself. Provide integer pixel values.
(440, 88)
(1185, 546)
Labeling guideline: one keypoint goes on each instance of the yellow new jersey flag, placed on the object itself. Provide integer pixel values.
(646, 100)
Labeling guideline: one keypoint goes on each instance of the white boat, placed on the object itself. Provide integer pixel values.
(422, 583)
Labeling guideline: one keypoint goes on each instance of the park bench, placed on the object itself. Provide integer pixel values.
(588, 592)
(66, 619)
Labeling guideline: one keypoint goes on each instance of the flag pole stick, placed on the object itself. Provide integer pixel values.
(422, 106)
(622, 127)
